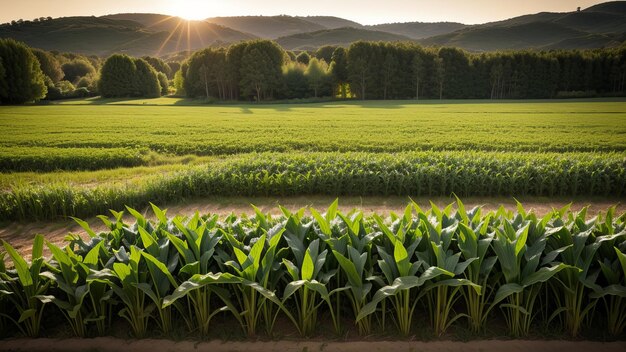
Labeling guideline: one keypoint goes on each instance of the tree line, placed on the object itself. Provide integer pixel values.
(377, 70)
(261, 70)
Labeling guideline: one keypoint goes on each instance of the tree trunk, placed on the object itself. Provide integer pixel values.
(206, 85)
(417, 90)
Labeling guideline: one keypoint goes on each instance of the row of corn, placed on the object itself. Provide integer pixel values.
(452, 267)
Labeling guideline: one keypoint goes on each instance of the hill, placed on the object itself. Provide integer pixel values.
(531, 35)
(598, 26)
(419, 30)
(121, 33)
(331, 22)
(339, 37)
(269, 27)
(174, 34)
(610, 7)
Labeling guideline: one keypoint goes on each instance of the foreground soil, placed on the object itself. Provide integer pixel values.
(20, 235)
(114, 345)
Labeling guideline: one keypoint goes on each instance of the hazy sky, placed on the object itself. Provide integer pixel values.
(363, 11)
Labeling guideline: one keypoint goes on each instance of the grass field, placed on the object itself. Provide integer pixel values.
(83, 157)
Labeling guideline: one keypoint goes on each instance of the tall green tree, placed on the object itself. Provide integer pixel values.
(440, 75)
(317, 74)
(207, 74)
(339, 70)
(117, 77)
(146, 80)
(77, 68)
(159, 65)
(326, 53)
(23, 79)
(418, 71)
(49, 65)
(296, 83)
(360, 68)
(261, 69)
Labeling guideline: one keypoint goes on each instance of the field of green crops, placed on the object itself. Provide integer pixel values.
(430, 272)
(84, 157)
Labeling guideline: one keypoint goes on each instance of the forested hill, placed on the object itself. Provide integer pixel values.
(336, 37)
(599, 26)
(134, 34)
(602, 25)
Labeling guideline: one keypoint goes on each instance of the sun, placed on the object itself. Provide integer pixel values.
(191, 10)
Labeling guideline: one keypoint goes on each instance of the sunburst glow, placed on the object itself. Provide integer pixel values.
(191, 9)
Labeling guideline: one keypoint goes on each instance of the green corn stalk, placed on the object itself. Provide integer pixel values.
(306, 288)
(70, 274)
(96, 256)
(125, 279)
(614, 295)
(196, 253)
(477, 245)
(161, 263)
(443, 292)
(576, 245)
(519, 261)
(400, 276)
(26, 291)
(253, 269)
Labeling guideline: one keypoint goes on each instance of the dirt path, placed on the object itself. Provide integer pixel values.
(20, 235)
(114, 345)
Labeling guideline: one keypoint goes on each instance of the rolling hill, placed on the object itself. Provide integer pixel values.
(338, 36)
(154, 35)
(331, 22)
(598, 26)
(269, 27)
(419, 30)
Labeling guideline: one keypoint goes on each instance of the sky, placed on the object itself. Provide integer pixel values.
(362, 11)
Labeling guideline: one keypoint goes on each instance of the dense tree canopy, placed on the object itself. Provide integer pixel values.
(146, 80)
(261, 69)
(303, 58)
(326, 53)
(22, 79)
(77, 68)
(159, 65)
(117, 77)
(49, 65)
(207, 74)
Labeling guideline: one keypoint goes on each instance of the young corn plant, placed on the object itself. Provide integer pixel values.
(197, 256)
(26, 289)
(307, 284)
(125, 279)
(400, 276)
(255, 289)
(614, 294)
(578, 243)
(353, 267)
(99, 293)
(520, 260)
(353, 252)
(443, 291)
(476, 243)
(161, 263)
(70, 274)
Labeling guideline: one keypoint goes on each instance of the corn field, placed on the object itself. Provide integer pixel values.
(416, 174)
(426, 271)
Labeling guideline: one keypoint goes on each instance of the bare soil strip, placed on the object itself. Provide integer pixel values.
(106, 344)
(20, 235)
